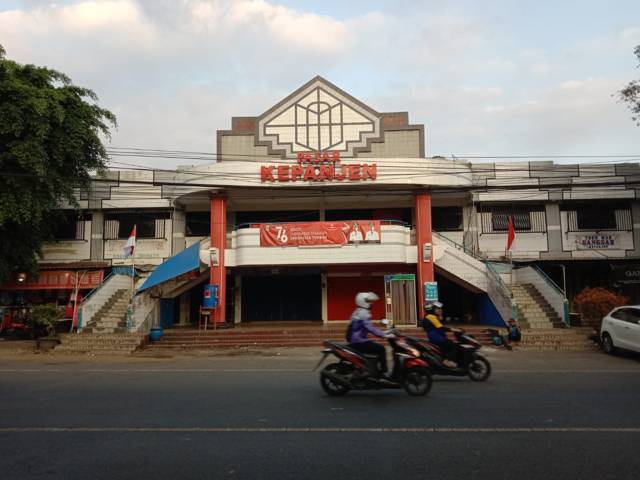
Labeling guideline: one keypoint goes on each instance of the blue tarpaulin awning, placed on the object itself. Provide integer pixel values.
(179, 264)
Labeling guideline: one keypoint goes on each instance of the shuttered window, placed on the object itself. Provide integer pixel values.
(526, 218)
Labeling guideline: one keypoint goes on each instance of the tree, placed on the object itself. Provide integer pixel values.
(631, 93)
(50, 144)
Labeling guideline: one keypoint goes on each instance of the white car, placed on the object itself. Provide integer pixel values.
(621, 329)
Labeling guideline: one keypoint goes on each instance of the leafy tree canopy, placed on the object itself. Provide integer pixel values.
(49, 144)
(631, 94)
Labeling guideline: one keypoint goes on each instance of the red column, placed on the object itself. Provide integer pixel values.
(219, 241)
(424, 242)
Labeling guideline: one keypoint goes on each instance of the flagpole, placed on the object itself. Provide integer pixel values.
(133, 270)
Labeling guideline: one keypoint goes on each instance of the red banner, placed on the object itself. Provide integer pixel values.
(60, 279)
(319, 233)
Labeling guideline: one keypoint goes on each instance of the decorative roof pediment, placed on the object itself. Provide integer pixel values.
(319, 117)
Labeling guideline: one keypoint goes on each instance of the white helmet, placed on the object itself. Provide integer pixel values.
(365, 299)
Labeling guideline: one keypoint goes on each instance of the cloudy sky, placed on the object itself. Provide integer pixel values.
(486, 78)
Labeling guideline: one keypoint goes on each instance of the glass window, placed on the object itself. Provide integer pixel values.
(70, 226)
(521, 221)
(198, 224)
(146, 224)
(619, 314)
(446, 218)
(596, 217)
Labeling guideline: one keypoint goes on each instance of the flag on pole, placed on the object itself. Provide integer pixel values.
(130, 246)
(511, 236)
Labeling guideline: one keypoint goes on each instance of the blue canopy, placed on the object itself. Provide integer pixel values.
(173, 267)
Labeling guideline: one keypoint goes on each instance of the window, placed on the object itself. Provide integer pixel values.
(526, 218)
(598, 216)
(446, 218)
(630, 315)
(148, 224)
(70, 226)
(198, 224)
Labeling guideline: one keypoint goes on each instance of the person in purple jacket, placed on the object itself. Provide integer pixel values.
(361, 326)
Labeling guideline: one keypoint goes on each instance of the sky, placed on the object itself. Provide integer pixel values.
(490, 78)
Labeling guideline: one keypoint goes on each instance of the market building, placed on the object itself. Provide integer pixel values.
(322, 196)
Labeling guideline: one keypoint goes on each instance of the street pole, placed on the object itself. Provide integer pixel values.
(75, 298)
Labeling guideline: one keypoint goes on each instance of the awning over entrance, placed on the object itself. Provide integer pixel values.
(179, 264)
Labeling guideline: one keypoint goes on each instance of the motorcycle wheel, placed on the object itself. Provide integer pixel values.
(479, 369)
(328, 385)
(417, 381)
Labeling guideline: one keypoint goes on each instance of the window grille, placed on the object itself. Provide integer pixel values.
(526, 219)
(590, 217)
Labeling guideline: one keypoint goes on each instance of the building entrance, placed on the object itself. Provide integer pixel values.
(280, 297)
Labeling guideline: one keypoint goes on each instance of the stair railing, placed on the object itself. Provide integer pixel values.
(559, 291)
(500, 294)
(457, 246)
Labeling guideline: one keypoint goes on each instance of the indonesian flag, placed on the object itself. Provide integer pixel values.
(511, 236)
(130, 246)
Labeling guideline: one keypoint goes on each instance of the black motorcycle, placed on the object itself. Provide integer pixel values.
(468, 361)
(359, 371)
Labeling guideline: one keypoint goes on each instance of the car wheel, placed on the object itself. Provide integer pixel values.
(607, 344)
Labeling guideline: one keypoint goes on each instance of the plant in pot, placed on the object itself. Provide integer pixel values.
(45, 319)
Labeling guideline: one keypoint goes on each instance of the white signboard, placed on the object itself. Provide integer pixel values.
(597, 242)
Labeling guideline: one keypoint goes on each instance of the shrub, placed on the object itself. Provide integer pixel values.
(595, 303)
(47, 316)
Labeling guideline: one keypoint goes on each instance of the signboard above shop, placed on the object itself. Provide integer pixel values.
(319, 233)
(318, 167)
(597, 242)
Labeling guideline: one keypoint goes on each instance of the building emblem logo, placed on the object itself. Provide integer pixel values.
(318, 118)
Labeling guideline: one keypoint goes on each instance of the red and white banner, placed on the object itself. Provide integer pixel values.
(319, 233)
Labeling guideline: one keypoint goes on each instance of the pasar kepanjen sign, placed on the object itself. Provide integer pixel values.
(319, 233)
(318, 167)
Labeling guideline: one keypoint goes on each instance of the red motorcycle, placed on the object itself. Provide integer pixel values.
(359, 371)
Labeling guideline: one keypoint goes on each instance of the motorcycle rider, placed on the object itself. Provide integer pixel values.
(437, 332)
(361, 326)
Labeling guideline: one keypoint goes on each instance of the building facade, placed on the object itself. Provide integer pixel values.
(321, 196)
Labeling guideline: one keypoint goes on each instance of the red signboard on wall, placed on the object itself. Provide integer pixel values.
(60, 279)
(319, 233)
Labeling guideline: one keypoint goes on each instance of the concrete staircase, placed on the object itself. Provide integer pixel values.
(553, 339)
(99, 343)
(111, 316)
(534, 312)
(452, 258)
(272, 336)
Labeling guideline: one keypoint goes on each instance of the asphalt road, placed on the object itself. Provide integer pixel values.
(265, 417)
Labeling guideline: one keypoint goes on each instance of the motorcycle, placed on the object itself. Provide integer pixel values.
(359, 371)
(466, 357)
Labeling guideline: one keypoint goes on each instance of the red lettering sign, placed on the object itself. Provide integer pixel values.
(319, 173)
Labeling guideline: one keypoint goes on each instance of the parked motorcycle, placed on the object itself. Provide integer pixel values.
(359, 371)
(469, 362)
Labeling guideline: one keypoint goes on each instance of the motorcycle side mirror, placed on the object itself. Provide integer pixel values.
(386, 322)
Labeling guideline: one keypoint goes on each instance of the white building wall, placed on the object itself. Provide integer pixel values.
(69, 250)
(624, 241)
(525, 245)
(395, 248)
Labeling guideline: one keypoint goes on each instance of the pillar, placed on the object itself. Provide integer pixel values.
(97, 236)
(424, 243)
(178, 229)
(219, 240)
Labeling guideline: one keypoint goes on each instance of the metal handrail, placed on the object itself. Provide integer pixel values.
(459, 247)
(503, 289)
(548, 279)
(248, 224)
(88, 295)
(565, 313)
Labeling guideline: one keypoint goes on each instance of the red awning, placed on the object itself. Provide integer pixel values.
(59, 279)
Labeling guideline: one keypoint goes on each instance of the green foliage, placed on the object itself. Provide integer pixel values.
(47, 315)
(50, 143)
(631, 94)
